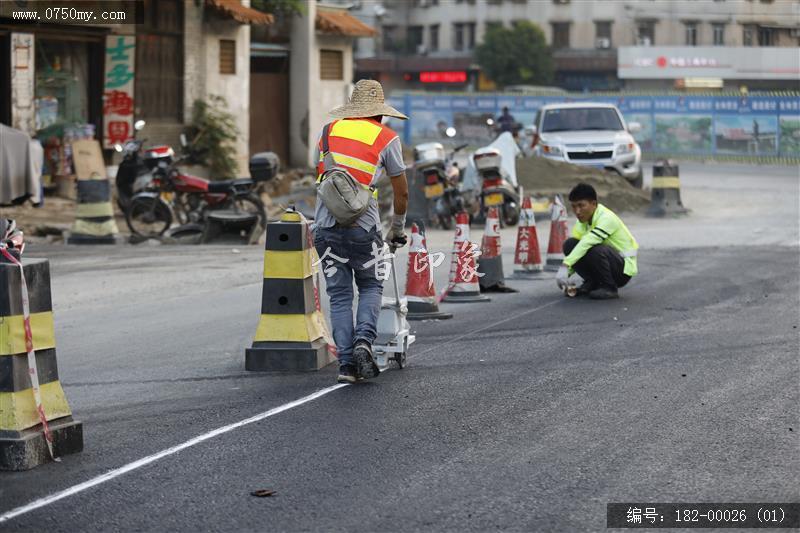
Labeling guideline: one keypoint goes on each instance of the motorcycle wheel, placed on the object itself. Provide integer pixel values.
(253, 205)
(147, 216)
(446, 222)
(510, 214)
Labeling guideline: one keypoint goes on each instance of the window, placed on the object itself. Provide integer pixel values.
(159, 61)
(560, 34)
(389, 38)
(458, 36)
(414, 39)
(581, 118)
(646, 33)
(748, 35)
(464, 35)
(331, 65)
(495, 2)
(690, 29)
(602, 33)
(433, 42)
(227, 56)
(766, 36)
(719, 34)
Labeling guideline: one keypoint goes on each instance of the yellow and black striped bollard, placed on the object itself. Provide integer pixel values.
(666, 191)
(94, 217)
(22, 434)
(291, 332)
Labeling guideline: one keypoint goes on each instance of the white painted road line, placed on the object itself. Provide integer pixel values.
(108, 476)
(112, 474)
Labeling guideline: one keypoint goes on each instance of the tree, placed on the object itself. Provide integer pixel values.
(284, 7)
(212, 135)
(518, 55)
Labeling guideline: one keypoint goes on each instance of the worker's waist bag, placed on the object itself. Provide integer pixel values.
(343, 195)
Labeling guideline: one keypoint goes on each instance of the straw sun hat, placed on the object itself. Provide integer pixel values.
(366, 101)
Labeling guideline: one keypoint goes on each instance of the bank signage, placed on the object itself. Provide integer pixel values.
(736, 63)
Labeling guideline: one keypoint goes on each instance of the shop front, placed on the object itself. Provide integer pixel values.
(54, 79)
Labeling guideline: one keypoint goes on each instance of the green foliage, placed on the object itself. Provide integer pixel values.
(514, 56)
(212, 135)
(790, 136)
(283, 7)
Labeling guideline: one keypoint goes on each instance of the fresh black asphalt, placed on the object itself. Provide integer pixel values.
(528, 413)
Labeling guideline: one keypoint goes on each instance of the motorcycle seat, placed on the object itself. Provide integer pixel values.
(225, 186)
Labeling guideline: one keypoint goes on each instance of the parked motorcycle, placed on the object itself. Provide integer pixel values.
(135, 172)
(441, 177)
(173, 196)
(497, 190)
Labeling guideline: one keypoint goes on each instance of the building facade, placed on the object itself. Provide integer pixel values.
(586, 36)
(60, 82)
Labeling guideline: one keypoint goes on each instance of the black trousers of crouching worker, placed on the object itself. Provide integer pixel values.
(602, 266)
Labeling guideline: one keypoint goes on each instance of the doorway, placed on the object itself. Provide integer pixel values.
(269, 103)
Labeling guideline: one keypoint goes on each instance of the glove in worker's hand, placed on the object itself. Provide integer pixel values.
(562, 276)
(397, 235)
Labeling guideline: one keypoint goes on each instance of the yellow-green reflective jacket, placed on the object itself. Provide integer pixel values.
(604, 228)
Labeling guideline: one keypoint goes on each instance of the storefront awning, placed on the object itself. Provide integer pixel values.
(340, 22)
(235, 10)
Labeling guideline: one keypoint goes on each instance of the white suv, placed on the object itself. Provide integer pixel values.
(589, 134)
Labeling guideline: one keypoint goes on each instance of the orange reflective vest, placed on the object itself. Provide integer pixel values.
(356, 144)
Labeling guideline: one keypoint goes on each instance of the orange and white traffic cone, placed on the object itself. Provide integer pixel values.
(558, 234)
(463, 285)
(490, 262)
(420, 291)
(527, 255)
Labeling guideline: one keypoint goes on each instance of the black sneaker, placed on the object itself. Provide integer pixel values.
(585, 289)
(604, 293)
(362, 353)
(347, 374)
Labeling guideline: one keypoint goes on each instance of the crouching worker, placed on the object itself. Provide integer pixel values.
(601, 250)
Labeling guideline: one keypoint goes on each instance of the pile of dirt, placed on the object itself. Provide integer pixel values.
(544, 177)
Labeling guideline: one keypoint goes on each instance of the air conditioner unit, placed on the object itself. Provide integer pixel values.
(643, 41)
(422, 49)
(602, 42)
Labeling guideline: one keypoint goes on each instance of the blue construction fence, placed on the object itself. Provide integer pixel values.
(756, 127)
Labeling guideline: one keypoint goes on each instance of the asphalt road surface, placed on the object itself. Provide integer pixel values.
(527, 413)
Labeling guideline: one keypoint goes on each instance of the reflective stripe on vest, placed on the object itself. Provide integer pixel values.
(630, 253)
(356, 144)
(350, 162)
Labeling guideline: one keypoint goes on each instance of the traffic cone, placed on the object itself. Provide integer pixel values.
(291, 332)
(490, 262)
(527, 255)
(463, 285)
(94, 217)
(558, 234)
(420, 290)
(36, 423)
